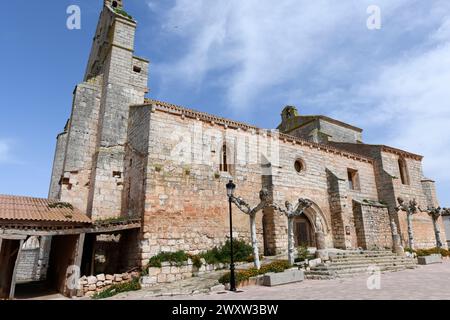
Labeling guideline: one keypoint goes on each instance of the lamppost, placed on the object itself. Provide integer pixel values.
(230, 192)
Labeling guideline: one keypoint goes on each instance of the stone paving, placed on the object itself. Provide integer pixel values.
(425, 282)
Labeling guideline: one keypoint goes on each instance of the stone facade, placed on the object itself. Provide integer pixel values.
(123, 155)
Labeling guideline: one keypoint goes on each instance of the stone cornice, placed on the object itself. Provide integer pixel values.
(206, 117)
(402, 153)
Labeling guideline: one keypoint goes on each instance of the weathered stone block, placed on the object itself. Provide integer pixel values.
(165, 270)
(162, 278)
(109, 277)
(148, 280)
(101, 277)
(288, 276)
(315, 262)
(434, 258)
(92, 280)
(154, 271)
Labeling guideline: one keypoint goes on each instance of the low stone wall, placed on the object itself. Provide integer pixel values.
(169, 273)
(88, 286)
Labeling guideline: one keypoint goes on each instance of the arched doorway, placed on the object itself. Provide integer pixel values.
(304, 232)
(307, 225)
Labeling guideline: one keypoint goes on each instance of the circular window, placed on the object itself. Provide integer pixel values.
(299, 166)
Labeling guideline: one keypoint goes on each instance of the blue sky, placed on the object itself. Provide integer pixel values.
(239, 59)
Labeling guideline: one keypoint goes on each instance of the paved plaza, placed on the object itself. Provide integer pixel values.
(424, 282)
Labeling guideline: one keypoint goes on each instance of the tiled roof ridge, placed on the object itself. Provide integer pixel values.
(26, 208)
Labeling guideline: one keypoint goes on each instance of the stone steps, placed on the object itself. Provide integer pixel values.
(360, 266)
(369, 262)
(354, 263)
(329, 276)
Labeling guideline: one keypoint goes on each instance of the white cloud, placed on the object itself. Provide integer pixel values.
(414, 98)
(5, 151)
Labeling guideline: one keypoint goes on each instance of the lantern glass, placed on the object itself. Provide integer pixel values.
(230, 188)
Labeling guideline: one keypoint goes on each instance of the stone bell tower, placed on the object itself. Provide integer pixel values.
(114, 3)
(89, 161)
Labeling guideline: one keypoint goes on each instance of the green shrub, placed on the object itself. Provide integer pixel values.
(276, 266)
(241, 252)
(410, 250)
(427, 252)
(175, 258)
(133, 285)
(302, 252)
(196, 261)
(239, 275)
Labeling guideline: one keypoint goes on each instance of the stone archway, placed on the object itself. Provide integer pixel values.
(311, 228)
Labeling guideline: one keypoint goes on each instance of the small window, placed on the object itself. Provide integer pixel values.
(224, 160)
(114, 4)
(117, 174)
(404, 177)
(137, 69)
(299, 166)
(353, 179)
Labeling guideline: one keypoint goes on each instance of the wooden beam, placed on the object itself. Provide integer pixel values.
(77, 259)
(12, 236)
(5, 233)
(13, 281)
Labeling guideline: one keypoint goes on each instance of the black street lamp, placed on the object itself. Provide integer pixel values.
(230, 191)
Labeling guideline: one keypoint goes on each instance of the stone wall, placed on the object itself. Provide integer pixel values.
(33, 260)
(81, 140)
(186, 206)
(339, 133)
(89, 286)
(424, 237)
(170, 273)
(58, 166)
(372, 226)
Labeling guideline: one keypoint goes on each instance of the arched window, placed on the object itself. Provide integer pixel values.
(404, 176)
(224, 167)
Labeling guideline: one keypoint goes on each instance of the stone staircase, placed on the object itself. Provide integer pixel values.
(353, 263)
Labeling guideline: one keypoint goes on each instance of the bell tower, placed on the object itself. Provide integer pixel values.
(117, 4)
(89, 162)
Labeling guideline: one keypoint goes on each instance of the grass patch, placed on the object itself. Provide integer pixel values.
(60, 205)
(123, 13)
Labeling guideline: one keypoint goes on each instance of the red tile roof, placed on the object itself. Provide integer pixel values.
(38, 210)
